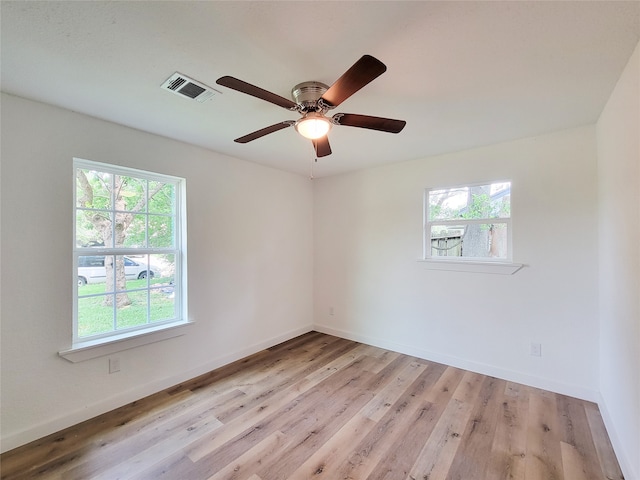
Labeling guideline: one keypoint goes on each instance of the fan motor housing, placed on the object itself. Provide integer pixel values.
(308, 93)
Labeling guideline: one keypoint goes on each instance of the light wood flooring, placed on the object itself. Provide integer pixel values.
(321, 407)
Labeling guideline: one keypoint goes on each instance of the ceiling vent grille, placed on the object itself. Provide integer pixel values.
(187, 87)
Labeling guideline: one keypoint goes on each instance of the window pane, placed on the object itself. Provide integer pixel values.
(162, 198)
(95, 315)
(93, 189)
(92, 270)
(161, 232)
(498, 247)
(163, 267)
(163, 293)
(473, 202)
(135, 234)
(93, 229)
(447, 204)
(446, 241)
(131, 193)
(135, 313)
(163, 305)
(136, 269)
(114, 266)
(475, 240)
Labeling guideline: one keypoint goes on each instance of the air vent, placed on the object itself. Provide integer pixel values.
(189, 88)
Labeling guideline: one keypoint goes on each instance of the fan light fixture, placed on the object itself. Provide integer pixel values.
(313, 125)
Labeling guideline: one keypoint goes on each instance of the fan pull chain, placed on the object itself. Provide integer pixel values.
(311, 169)
(314, 160)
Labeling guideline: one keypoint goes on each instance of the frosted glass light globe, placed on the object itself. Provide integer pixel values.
(313, 125)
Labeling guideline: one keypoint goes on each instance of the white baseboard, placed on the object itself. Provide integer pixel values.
(624, 459)
(123, 398)
(477, 367)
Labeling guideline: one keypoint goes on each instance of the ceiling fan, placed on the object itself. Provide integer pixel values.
(314, 99)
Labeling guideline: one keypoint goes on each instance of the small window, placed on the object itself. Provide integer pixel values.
(129, 258)
(471, 222)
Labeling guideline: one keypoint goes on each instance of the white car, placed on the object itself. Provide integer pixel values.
(91, 269)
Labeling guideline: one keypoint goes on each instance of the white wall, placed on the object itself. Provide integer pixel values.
(368, 239)
(618, 131)
(250, 266)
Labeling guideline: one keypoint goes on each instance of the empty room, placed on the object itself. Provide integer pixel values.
(271, 240)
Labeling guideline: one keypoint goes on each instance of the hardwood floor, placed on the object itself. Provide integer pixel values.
(321, 407)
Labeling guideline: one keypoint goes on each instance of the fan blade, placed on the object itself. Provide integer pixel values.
(257, 92)
(322, 146)
(365, 121)
(264, 131)
(360, 74)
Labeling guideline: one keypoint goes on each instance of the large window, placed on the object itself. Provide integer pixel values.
(128, 251)
(470, 222)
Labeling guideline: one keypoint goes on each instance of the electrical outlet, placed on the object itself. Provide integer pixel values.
(331, 311)
(114, 365)
(536, 350)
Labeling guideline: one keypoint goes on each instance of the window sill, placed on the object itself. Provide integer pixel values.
(82, 351)
(499, 268)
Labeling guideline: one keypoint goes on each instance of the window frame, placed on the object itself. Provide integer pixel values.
(462, 260)
(153, 329)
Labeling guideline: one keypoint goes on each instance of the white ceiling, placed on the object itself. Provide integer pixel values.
(462, 74)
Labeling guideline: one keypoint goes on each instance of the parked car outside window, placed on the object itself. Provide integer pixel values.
(91, 269)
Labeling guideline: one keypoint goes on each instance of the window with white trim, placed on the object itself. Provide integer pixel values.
(469, 222)
(128, 252)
